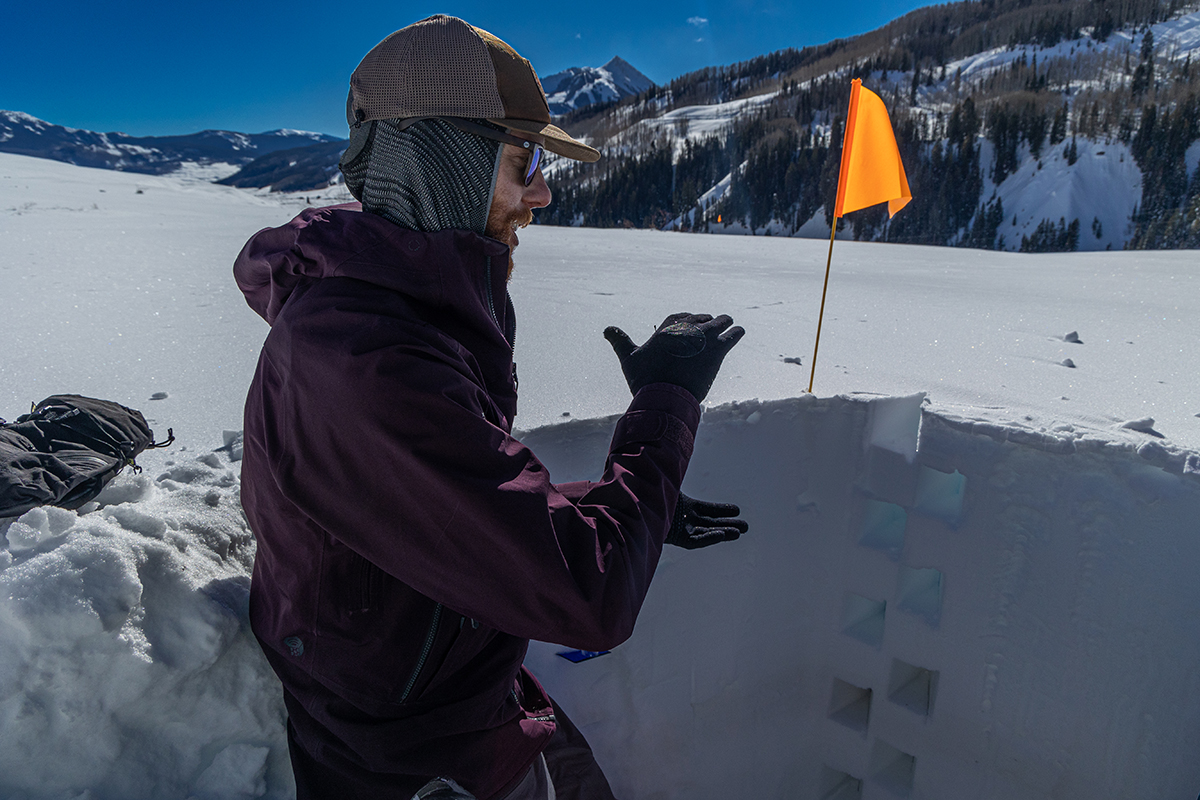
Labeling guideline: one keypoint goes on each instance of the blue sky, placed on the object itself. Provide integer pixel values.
(155, 68)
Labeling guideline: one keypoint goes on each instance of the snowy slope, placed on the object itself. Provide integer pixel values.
(1101, 190)
(984, 592)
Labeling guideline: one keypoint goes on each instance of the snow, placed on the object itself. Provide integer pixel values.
(697, 123)
(970, 570)
(1104, 185)
(578, 87)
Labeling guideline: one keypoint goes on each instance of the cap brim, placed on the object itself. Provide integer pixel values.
(558, 141)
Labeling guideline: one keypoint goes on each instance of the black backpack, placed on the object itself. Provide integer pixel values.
(66, 449)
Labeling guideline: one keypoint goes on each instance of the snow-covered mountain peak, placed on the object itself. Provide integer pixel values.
(582, 86)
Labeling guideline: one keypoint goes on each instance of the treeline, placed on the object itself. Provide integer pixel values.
(646, 191)
(782, 163)
(921, 42)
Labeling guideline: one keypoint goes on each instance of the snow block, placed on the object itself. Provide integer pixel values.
(838, 785)
(920, 592)
(862, 618)
(893, 769)
(894, 423)
(850, 705)
(883, 527)
(912, 687)
(940, 495)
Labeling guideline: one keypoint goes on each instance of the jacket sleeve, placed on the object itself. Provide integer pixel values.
(388, 449)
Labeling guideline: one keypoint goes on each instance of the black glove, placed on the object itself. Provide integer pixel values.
(686, 350)
(698, 524)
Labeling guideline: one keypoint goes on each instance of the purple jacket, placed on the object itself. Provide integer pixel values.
(408, 546)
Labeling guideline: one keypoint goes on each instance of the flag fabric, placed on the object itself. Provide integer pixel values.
(871, 170)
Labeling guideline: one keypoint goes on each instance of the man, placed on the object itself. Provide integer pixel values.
(408, 546)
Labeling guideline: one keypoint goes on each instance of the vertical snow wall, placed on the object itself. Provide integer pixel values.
(971, 612)
(974, 612)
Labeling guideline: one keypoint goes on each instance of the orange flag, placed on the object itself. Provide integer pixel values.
(871, 169)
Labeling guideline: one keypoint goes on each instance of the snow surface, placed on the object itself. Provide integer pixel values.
(970, 570)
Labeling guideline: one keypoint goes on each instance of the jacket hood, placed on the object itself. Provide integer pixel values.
(452, 270)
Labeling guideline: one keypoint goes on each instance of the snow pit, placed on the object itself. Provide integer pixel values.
(1030, 632)
(848, 646)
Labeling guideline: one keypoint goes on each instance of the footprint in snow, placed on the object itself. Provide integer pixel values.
(159, 396)
(1066, 362)
(1073, 338)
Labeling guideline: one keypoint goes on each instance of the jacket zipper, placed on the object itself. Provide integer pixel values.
(492, 308)
(429, 637)
(365, 600)
(490, 299)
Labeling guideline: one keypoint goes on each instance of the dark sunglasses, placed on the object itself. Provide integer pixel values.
(537, 153)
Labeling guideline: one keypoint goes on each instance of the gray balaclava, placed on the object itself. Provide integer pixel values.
(430, 176)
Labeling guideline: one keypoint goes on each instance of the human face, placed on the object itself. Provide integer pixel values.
(513, 202)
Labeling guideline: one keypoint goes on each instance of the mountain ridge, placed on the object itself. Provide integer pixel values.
(1023, 125)
(24, 134)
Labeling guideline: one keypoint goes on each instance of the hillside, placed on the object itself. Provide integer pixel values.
(220, 151)
(1041, 126)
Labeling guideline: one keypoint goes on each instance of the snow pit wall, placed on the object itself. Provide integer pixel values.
(974, 612)
(922, 608)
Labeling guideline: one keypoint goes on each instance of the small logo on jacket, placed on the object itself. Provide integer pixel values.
(294, 645)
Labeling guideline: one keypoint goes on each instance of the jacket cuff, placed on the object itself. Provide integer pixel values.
(660, 411)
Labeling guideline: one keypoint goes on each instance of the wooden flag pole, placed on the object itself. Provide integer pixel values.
(821, 316)
(871, 172)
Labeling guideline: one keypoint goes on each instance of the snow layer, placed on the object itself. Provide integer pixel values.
(969, 570)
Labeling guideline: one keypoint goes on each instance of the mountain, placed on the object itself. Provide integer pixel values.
(26, 135)
(579, 87)
(315, 166)
(1023, 124)
(299, 169)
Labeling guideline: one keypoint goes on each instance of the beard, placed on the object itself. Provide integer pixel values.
(501, 227)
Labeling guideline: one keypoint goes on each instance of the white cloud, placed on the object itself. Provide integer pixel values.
(699, 22)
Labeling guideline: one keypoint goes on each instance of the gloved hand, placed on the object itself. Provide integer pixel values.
(686, 350)
(698, 524)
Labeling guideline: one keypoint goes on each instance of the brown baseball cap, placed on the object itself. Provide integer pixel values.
(444, 67)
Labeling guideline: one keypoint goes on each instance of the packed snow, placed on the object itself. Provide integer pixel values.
(970, 569)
